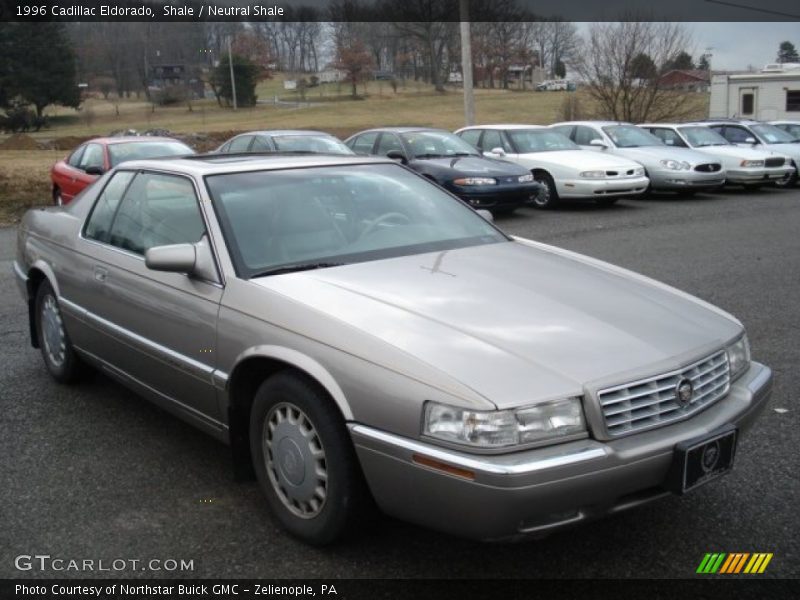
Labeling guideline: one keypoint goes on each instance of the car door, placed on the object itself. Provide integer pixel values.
(66, 172)
(157, 329)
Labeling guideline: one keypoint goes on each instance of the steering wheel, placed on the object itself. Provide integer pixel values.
(398, 218)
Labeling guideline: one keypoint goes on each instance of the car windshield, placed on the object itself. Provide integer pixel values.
(700, 137)
(322, 144)
(434, 144)
(121, 152)
(294, 219)
(629, 136)
(772, 134)
(544, 140)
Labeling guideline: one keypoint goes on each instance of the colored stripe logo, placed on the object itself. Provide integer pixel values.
(734, 563)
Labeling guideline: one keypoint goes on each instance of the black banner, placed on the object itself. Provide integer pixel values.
(396, 10)
(731, 588)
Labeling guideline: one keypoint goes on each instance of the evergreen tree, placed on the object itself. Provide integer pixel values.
(787, 53)
(681, 62)
(38, 66)
(245, 73)
(703, 64)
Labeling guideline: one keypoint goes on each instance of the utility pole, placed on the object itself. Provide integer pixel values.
(233, 79)
(466, 64)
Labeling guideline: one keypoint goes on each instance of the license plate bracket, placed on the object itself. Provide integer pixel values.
(700, 460)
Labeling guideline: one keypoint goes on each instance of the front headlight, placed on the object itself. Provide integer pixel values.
(639, 172)
(739, 356)
(475, 181)
(593, 174)
(499, 428)
(752, 163)
(525, 178)
(676, 165)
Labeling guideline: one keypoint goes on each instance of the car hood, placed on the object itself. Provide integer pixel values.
(516, 322)
(739, 152)
(585, 160)
(792, 149)
(473, 165)
(652, 154)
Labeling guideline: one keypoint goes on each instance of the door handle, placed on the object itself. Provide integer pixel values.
(100, 274)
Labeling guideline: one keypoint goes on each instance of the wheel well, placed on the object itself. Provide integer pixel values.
(243, 384)
(540, 172)
(35, 279)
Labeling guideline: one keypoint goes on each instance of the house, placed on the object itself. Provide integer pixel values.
(694, 80)
(773, 93)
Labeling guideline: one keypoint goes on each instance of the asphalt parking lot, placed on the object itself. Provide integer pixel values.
(93, 472)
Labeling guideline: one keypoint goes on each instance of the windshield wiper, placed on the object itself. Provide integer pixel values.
(429, 155)
(465, 154)
(295, 268)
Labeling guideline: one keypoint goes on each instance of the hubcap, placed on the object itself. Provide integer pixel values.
(53, 334)
(295, 460)
(543, 197)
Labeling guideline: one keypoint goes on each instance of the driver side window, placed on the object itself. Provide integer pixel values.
(584, 135)
(492, 138)
(92, 157)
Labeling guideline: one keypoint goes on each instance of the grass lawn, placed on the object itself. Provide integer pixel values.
(24, 179)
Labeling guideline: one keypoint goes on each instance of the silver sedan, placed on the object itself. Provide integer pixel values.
(359, 336)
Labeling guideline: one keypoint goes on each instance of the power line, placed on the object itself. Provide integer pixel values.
(754, 8)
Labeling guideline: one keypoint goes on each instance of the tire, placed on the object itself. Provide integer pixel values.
(606, 201)
(58, 353)
(548, 198)
(58, 199)
(294, 428)
(788, 182)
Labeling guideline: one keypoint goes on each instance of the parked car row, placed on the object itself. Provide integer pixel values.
(503, 167)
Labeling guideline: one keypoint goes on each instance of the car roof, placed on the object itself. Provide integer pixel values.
(285, 132)
(406, 129)
(127, 139)
(200, 165)
(504, 126)
(596, 123)
(722, 121)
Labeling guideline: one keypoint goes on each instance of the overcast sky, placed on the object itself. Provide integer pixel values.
(737, 45)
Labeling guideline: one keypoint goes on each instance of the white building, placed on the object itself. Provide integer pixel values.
(773, 93)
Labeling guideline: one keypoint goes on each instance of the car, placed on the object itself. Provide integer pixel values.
(746, 132)
(563, 168)
(749, 167)
(285, 140)
(484, 183)
(91, 159)
(790, 127)
(669, 169)
(356, 334)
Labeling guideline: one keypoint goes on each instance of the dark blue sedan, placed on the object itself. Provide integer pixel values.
(484, 183)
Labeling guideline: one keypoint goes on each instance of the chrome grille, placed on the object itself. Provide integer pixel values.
(652, 402)
(708, 168)
(774, 162)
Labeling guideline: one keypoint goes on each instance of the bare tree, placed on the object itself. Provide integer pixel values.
(609, 65)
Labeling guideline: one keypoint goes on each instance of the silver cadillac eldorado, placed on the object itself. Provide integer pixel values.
(359, 336)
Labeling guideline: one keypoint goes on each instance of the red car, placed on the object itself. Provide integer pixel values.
(93, 158)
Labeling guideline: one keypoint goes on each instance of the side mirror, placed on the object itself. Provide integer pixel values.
(498, 152)
(486, 215)
(598, 143)
(750, 140)
(175, 258)
(397, 155)
(94, 170)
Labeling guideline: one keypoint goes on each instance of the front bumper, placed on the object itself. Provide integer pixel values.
(684, 180)
(533, 492)
(758, 175)
(502, 196)
(599, 188)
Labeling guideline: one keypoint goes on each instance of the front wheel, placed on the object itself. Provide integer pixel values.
(57, 351)
(547, 197)
(305, 461)
(789, 181)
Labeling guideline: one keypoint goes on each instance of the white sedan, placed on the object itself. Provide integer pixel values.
(750, 167)
(559, 164)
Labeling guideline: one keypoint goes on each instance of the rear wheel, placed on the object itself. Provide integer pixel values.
(57, 351)
(305, 461)
(547, 198)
